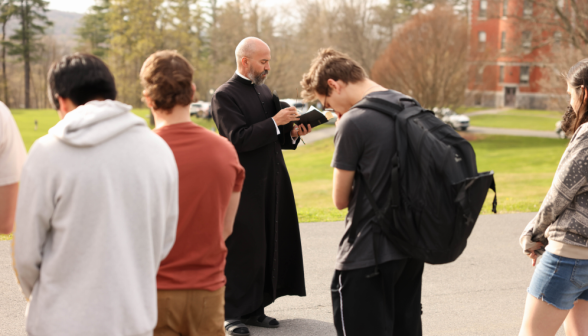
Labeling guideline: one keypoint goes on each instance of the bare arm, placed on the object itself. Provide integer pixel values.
(342, 183)
(230, 214)
(8, 195)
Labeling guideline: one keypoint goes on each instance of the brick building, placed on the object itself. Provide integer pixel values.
(508, 54)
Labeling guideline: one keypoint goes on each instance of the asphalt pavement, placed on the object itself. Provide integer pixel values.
(482, 293)
(319, 134)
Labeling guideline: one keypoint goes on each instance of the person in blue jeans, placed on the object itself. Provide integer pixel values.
(558, 292)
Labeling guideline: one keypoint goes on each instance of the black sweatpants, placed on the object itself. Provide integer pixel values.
(383, 305)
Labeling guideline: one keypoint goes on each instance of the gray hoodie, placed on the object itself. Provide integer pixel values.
(97, 212)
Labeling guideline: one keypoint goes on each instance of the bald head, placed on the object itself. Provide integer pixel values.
(253, 57)
(248, 47)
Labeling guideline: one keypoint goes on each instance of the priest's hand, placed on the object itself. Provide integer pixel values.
(300, 130)
(286, 115)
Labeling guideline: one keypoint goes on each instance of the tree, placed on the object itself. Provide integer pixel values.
(136, 30)
(428, 59)
(94, 32)
(568, 17)
(25, 42)
(7, 10)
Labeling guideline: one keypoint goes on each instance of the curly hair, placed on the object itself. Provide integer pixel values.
(329, 64)
(166, 77)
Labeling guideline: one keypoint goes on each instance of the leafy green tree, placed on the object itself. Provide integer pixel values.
(136, 30)
(7, 10)
(94, 31)
(25, 43)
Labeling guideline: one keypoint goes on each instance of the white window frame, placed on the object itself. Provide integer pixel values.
(527, 8)
(557, 38)
(527, 38)
(501, 74)
(482, 37)
(503, 40)
(483, 9)
(524, 78)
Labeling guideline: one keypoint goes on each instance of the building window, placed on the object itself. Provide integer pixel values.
(504, 8)
(503, 41)
(524, 76)
(483, 8)
(528, 8)
(478, 99)
(557, 38)
(527, 39)
(501, 74)
(480, 75)
(481, 40)
(560, 3)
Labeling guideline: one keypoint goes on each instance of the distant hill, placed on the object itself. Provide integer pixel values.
(64, 24)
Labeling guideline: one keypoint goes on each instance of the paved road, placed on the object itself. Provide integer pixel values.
(319, 134)
(482, 293)
(490, 111)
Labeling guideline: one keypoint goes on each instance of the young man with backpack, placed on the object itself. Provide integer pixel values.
(376, 289)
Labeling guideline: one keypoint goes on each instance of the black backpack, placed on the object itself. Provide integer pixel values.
(435, 192)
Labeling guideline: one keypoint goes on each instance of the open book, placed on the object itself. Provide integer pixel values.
(314, 117)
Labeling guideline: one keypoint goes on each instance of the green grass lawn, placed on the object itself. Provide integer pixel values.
(312, 176)
(524, 168)
(512, 119)
(533, 113)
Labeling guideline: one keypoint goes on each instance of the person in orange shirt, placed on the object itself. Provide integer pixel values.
(191, 280)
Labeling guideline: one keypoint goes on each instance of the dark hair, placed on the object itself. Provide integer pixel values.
(329, 64)
(166, 77)
(81, 78)
(577, 79)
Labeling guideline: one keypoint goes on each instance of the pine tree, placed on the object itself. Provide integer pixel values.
(136, 30)
(7, 10)
(25, 43)
(94, 31)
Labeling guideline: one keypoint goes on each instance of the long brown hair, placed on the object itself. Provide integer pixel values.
(577, 79)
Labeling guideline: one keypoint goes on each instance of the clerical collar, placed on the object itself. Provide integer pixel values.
(238, 74)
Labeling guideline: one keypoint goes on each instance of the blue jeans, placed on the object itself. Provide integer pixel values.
(560, 281)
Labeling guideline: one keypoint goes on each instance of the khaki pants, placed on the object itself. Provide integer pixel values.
(190, 313)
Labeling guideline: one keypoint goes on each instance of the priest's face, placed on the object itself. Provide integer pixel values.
(259, 64)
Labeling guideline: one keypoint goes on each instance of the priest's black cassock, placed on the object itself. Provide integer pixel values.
(264, 259)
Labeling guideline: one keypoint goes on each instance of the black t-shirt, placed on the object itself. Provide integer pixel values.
(365, 142)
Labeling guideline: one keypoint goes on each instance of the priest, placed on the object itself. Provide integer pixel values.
(264, 259)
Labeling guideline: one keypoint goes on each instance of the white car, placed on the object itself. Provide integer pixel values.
(457, 121)
(199, 109)
(560, 133)
(298, 104)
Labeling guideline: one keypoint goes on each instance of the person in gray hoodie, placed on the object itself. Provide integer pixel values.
(97, 211)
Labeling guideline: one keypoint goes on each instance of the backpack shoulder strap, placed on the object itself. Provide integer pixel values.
(380, 105)
(392, 201)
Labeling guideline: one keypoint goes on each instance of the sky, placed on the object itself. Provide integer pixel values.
(80, 6)
(77, 6)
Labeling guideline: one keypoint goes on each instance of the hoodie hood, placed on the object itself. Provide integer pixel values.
(95, 122)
